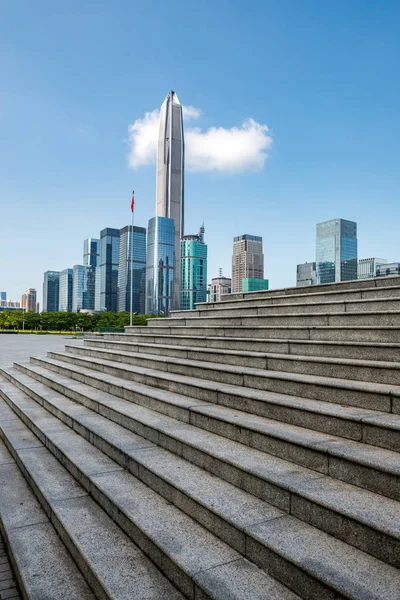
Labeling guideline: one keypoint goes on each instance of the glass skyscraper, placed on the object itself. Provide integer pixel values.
(109, 264)
(91, 252)
(51, 291)
(160, 265)
(125, 269)
(193, 270)
(65, 298)
(336, 251)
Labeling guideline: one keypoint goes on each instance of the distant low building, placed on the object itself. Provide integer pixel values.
(368, 267)
(251, 284)
(306, 274)
(388, 269)
(218, 287)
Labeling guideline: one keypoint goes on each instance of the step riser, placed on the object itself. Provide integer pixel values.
(284, 309)
(354, 533)
(361, 399)
(315, 459)
(367, 352)
(286, 364)
(327, 334)
(367, 294)
(334, 320)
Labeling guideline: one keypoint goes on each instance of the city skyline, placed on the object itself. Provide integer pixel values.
(315, 123)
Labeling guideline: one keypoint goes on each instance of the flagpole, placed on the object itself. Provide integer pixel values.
(131, 270)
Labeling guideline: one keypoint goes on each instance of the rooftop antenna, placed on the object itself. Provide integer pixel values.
(220, 272)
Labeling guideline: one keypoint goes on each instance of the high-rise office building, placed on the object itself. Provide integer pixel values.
(91, 252)
(28, 301)
(219, 286)
(80, 288)
(160, 266)
(193, 270)
(247, 260)
(109, 264)
(127, 267)
(306, 274)
(3, 295)
(336, 251)
(170, 176)
(368, 267)
(51, 290)
(66, 288)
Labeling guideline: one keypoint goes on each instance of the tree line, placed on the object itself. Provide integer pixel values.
(64, 321)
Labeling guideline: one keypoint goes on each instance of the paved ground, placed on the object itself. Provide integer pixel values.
(20, 347)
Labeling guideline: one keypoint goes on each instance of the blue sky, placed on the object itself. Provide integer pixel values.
(322, 76)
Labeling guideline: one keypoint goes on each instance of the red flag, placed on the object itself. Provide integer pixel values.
(133, 202)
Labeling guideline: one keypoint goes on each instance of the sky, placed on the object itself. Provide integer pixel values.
(291, 118)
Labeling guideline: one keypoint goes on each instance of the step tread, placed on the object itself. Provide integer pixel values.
(191, 547)
(344, 498)
(297, 541)
(349, 384)
(275, 355)
(42, 564)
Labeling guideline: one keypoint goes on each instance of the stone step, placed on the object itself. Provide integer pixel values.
(375, 305)
(234, 515)
(328, 288)
(308, 296)
(378, 371)
(355, 319)
(41, 563)
(359, 517)
(363, 465)
(194, 559)
(385, 334)
(364, 394)
(369, 426)
(360, 350)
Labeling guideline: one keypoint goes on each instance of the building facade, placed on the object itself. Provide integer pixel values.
(336, 251)
(51, 291)
(306, 274)
(193, 270)
(170, 176)
(218, 287)
(28, 301)
(247, 260)
(66, 289)
(91, 252)
(127, 268)
(3, 295)
(109, 265)
(160, 266)
(388, 269)
(250, 284)
(368, 267)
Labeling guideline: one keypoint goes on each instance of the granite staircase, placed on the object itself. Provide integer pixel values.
(249, 449)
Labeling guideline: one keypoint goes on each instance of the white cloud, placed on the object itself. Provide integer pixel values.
(236, 149)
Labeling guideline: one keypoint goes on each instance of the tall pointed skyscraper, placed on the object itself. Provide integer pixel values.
(170, 176)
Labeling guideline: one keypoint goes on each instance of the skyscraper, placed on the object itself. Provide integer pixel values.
(160, 265)
(28, 300)
(170, 176)
(247, 260)
(336, 251)
(3, 295)
(193, 270)
(80, 288)
(66, 285)
(125, 269)
(51, 290)
(91, 259)
(91, 252)
(109, 264)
